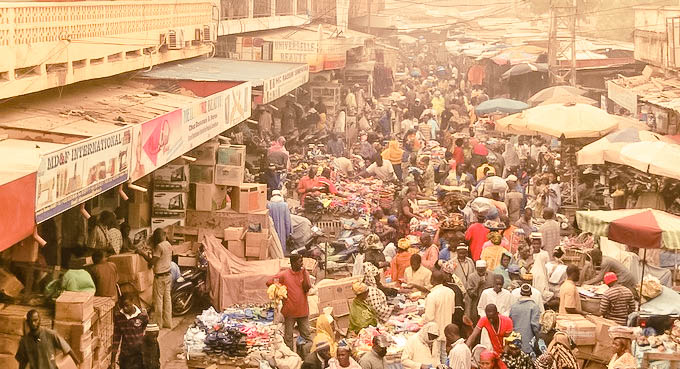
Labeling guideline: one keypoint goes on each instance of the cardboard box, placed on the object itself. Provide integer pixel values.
(139, 236)
(165, 222)
(171, 177)
(74, 306)
(340, 307)
(208, 197)
(202, 174)
(257, 245)
(187, 261)
(169, 204)
(9, 343)
(144, 280)
(128, 266)
(205, 154)
(602, 326)
(231, 155)
(234, 233)
(184, 248)
(139, 214)
(26, 251)
(237, 248)
(582, 331)
(9, 284)
(249, 197)
(7, 361)
(229, 175)
(73, 330)
(87, 361)
(330, 290)
(13, 319)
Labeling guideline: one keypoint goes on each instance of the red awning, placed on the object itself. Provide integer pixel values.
(17, 218)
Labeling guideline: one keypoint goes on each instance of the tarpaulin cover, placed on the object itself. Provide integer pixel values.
(233, 280)
(17, 201)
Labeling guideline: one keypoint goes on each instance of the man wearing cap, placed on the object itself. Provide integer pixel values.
(318, 359)
(375, 359)
(478, 282)
(463, 266)
(295, 308)
(513, 199)
(440, 305)
(618, 302)
(514, 357)
(525, 315)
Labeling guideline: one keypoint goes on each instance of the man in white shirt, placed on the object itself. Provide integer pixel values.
(535, 295)
(383, 170)
(496, 295)
(460, 356)
(440, 304)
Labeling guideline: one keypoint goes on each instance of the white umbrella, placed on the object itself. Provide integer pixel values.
(659, 158)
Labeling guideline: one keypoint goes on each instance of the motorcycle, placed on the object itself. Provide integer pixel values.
(193, 287)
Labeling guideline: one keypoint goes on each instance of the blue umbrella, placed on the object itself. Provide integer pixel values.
(501, 106)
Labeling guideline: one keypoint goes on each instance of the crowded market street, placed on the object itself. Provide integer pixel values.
(378, 185)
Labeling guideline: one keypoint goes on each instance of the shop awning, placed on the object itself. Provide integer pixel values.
(17, 188)
(275, 79)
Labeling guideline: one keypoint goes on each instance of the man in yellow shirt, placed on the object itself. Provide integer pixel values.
(570, 301)
(417, 276)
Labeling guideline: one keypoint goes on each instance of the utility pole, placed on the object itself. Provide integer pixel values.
(368, 3)
(561, 39)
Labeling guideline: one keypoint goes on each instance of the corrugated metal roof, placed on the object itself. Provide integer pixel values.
(220, 69)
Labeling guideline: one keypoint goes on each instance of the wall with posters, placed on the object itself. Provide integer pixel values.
(165, 138)
(71, 175)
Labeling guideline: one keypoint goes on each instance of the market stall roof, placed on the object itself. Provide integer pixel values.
(660, 91)
(276, 79)
(641, 228)
(609, 147)
(658, 157)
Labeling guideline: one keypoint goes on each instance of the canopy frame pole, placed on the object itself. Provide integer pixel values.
(642, 278)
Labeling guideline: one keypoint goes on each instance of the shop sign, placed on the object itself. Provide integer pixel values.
(80, 171)
(624, 97)
(165, 138)
(294, 51)
(284, 83)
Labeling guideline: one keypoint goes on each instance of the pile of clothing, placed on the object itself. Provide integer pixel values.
(234, 332)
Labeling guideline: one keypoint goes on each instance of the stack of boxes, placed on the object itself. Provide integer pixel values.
(216, 186)
(337, 294)
(170, 200)
(102, 332)
(12, 327)
(134, 275)
(73, 317)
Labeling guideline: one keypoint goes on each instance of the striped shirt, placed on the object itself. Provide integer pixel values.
(128, 331)
(617, 303)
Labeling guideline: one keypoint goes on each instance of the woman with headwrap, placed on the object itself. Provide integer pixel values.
(376, 298)
(421, 349)
(493, 250)
(561, 349)
(622, 358)
(514, 357)
(491, 360)
(401, 261)
(454, 283)
(394, 153)
(545, 361)
(361, 315)
(373, 250)
(324, 331)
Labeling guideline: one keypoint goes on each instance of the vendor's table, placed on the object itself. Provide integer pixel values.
(591, 305)
(673, 358)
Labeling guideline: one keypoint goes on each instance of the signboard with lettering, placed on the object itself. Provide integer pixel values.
(282, 84)
(81, 171)
(165, 138)
(623, 96)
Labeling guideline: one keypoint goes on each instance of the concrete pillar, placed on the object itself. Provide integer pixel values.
(273, 8)
(251, 8)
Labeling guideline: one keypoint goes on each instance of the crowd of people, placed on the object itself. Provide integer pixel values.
(492, 287)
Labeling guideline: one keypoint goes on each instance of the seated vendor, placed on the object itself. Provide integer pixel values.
(344, 359)
(416, 275)
(361, 315)
(326, 184)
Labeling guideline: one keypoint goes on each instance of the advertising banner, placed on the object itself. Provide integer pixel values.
(80, 171)
(155, 143)
(167, 137)
(284, 83)
(626, 98)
